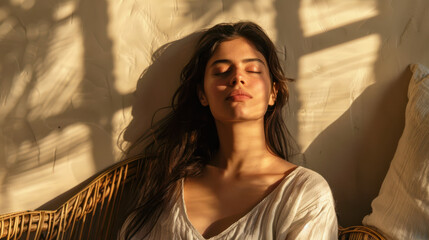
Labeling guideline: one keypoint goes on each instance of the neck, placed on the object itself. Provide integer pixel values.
(242, 147)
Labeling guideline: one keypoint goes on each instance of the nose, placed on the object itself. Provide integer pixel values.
(237, 78)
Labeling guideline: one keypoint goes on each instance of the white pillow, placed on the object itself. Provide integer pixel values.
(401, 210)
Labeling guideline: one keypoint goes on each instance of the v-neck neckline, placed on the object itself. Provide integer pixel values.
(241, 219)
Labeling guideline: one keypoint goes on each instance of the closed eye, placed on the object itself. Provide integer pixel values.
(222, 73)
(253, 71)
(253, 68)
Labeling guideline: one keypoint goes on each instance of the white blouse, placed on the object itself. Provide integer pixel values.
(300, 207)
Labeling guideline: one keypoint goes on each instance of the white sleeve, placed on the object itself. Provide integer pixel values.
(318, 221)
(312, 215)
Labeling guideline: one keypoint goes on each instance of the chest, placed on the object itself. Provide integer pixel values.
(212, 208)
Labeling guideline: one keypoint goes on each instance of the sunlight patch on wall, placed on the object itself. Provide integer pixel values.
(330, 80)
(58, 71)
(65, 10)
(6, 24)
(261, 12)
(319, 16)
(136, 33)
(25, 4)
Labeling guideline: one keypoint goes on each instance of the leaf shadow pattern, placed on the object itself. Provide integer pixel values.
(58, 126)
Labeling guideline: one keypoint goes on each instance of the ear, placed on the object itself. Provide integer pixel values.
(273, 95)
(202, 98)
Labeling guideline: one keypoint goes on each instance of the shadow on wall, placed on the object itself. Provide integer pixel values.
(355, 180)
(157, 85)
(53, 111)
(155, 88)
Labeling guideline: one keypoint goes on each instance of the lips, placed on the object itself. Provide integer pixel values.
(238, 96)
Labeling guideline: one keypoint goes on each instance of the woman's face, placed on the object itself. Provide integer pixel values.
(237, 84)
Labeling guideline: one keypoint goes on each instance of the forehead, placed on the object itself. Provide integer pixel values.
(236, 50)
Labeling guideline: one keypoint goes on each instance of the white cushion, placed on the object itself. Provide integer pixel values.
(401, 210)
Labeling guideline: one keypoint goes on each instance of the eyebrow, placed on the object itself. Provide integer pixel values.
(246, 60)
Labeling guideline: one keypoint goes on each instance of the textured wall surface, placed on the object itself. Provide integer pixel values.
(74, 74)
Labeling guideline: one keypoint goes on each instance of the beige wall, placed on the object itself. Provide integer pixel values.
(69, 79)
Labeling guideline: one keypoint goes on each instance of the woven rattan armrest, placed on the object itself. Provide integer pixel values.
(359, 233)
(89, 214)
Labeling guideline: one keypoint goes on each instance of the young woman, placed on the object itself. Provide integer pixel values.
(215, 167)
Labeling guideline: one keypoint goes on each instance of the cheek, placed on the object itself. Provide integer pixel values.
(263, 89)
(213, 90)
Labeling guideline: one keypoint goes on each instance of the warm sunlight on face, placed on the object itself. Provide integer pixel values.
(237, 84)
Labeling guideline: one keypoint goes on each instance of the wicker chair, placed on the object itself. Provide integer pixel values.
(359, 233)
(92, 213)
(95, 212)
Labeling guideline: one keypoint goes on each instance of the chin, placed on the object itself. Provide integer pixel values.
(238, 114)
(241, 118)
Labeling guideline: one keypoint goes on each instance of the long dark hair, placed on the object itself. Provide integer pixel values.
(184, 141)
